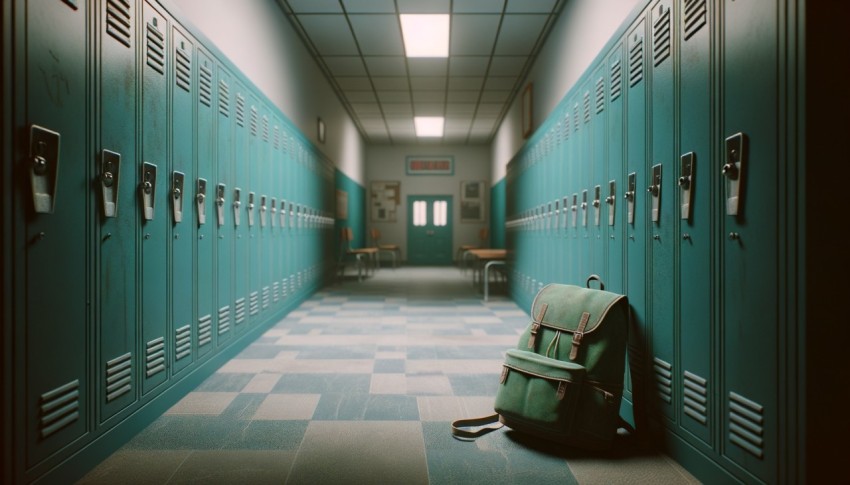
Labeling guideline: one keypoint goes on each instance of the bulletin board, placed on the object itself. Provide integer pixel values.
(384, 200)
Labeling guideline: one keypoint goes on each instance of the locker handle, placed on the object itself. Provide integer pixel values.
(110, 165)
(44, 156)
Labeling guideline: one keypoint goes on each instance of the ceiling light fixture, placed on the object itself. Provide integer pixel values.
(429, 125)
(425, 35)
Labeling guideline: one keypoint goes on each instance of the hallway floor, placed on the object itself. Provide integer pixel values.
(358, 385)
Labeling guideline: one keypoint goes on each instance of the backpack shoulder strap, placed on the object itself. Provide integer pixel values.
(461, 434)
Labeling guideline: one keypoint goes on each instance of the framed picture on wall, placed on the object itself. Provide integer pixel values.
(472, 201)
(341, 204)
(526, 111)
(384, 200)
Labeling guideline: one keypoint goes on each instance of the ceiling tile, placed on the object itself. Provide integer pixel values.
(386, 66)
(476, 138)
(461, 109)
(458, 125)
(500, 82)
(329, 33)
(366, 108)
(463, 96)
(360, 96)
(420, 6)
(519, 33)
(396, 83)
(377, 35)
(391, 109)
(394, 96)
(468, 65)
(429, 96)
(428, 109)
(494, 96)
(345, 65)
(369, 6)
(490, 108)
(315, 6)
(348, 83)
(530, 6)
(427, 66)
(478, 6)
(465, 83)
(507, 65)
(372, 120)
(428, 83)
(473, 34)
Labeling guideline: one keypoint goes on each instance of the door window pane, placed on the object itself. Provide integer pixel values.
(440, 213)
(420, 216)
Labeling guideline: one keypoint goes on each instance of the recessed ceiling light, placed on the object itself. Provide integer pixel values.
(425, 35)
(429, 125)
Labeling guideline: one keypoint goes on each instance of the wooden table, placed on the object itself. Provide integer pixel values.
(487, 258)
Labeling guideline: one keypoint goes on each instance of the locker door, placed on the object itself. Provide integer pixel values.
(51, 251)
(612, 188)
(564, 195)
(239, 212)
(264, 190)
(573, 181)
(115, 179)
(222, 213)
(585, 170)
(634, 204)
(697, 195)
(750, 292)
(661, 217)
(202, 201)
(253, 183)
(180, 181)
(599, 170)
(274, 218)
(153, 199)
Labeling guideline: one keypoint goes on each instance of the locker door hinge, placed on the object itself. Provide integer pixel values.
(44, 168)
(147, 190)
(110, 165)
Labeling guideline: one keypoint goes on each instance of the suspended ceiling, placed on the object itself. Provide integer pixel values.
(358, 44)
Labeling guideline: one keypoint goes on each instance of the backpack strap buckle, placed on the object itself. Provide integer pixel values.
(578, 334)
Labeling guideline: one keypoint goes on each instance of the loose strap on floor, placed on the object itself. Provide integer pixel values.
(467, 435)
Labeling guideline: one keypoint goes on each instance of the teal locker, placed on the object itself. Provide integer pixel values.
(222, 211)
(661, 217)
(264, 189)
(253, 182)
(751, 321)
(180, 180)
(274, 217)
(634, 206)
(612, 188)
(572, 178)
(114, 207)
(203, 189)
(240, 211)
(51, 255)
(153, 200)
(585, 171)
(598, 168)
(564, 196)
(697, 192)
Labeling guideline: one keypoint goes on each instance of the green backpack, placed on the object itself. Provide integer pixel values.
(564, 381)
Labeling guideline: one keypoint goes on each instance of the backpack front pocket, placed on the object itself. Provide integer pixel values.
(538, 393)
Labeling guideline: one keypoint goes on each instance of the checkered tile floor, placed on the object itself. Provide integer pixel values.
(358, 385)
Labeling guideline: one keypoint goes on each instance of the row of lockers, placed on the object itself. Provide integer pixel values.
(661, 171)
(165, 209)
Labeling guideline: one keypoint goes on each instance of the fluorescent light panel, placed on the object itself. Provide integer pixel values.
(429, 125)
(425, 35)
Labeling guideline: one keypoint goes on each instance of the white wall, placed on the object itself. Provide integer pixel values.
(256, 36)
(387, 162)
(580, 33)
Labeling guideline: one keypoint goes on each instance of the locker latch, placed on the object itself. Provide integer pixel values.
(237, 204)
(548, 217)
(597, 205)
(557, 215)
(273, 211)
(654, 190)
(201, 200)
(282, 213)
(110, 164)
(611, 200)
(686, 183)
(263, 210)
(251, 209)
(219, 203)
(177, 195)
(733, 169)
(566, 213)
(44, 157)
(630, 197)
(147, 189)
(291, 215)
(584, 208)
(574, 208)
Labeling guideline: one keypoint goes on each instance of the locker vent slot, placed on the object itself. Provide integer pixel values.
(240, 311)
(155, 50)
(276, 138)
(283, 286)
(59, 408)
(746, 424)
(661, 38)
(254, 303)
(155, 356)
(266, 297)
(586, 100)
(223, 98)
(696, 397)
(636, 364)
(224, 319)
(119, 374)
(616, 79)
(300, 280)
(204, 330)
(575, 117)
(183, 342)
(118, 20)
(636, 61)
(696, 16)
(292, 284)
(275, 291)
(183, 72)
(254, 121)
(265, 128)
(600, 95)
(240, 110)
(205, 78)
(567, 127)
(663, 379)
